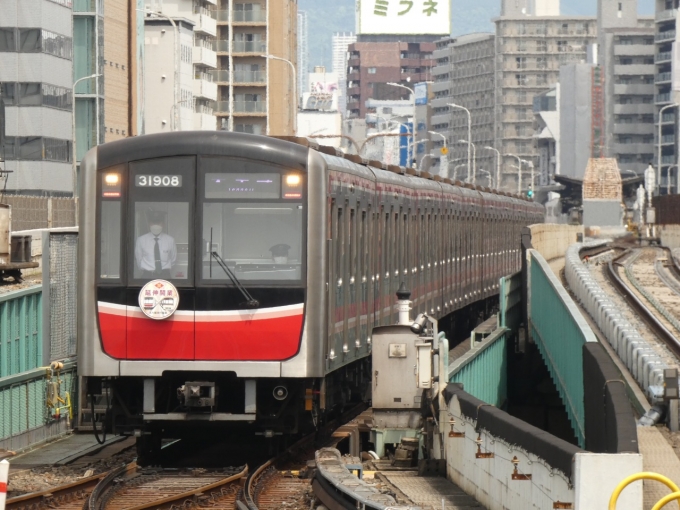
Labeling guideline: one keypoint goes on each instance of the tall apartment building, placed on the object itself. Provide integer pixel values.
(195, 102)
(248, 31)
(530, 48)
(666, 22)
(36, 80)
(340, 46)
(302, 53)
(169, 79)
(464, 75)
(626, 57)
(372, 65)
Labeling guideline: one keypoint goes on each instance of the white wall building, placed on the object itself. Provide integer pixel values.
(168, 81)
(203, 56)
(36, 80)
(340, 43)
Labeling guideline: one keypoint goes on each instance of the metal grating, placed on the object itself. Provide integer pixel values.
(63, 282)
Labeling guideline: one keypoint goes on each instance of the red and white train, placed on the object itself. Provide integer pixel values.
(235, 279)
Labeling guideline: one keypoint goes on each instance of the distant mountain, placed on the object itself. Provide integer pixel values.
(327, 16)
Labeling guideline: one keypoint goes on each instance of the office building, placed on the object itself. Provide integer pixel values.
(36, 81)
(248, 34)
(626, 57)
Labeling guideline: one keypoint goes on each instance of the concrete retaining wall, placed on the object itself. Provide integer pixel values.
(590, 484)
(552, 240)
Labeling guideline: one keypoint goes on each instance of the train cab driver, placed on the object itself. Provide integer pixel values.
(155, 251)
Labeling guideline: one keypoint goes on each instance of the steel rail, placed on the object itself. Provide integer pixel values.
(50, 498)
(639, 307)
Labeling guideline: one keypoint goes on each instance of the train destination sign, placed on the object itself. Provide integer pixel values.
(158, 299)
(158, 181)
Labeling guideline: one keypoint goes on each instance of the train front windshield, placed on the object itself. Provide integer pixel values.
(252, 223)
(232, 216)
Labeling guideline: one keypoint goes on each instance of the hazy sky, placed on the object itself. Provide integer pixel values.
(328, 16)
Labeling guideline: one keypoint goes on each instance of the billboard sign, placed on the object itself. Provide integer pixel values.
(420, 90)
(414, 17)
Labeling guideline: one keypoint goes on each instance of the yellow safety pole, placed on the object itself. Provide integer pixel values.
(666, 499)
(645, 475)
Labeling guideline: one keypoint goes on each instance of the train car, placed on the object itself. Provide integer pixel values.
(234, 280)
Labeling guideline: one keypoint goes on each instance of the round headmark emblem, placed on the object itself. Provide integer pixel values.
(158, 299)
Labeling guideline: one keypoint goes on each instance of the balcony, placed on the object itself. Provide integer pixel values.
(634, 109)
(242, 107)
(205, 89)
(665, 36)
(204, 121)
(222, 16)
(205, 25)
(632, 148)
(220, 76)
(634, 69)
(668, 118)
(667, 14)
(247, 17)
(258, 47)
(663, 98)
(662, 77)
(204, 56)
(250, 106)
(665, 56)
(634, 89)
(248, 77)
(634, 50)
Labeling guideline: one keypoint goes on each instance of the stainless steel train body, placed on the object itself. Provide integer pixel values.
(353, 233)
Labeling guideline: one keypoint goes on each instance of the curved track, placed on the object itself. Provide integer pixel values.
(639, 302)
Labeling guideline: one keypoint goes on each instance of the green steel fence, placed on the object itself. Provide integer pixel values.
(483, 370)
(560, 331)
(24, 416)
(21, 339)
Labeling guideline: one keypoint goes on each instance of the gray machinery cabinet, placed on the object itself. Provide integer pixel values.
(397, 368)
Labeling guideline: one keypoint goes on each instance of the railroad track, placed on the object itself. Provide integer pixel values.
(639, 300)
(132, 487)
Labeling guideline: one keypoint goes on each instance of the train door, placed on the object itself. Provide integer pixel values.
(160, 248)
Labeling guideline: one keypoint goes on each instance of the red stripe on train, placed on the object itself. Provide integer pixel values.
(127, 334)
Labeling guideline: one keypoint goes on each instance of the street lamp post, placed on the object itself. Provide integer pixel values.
(488, 175)
(445, 150)
(74, 163)
(295, 101)
(519, 171)
(498, 165)
(413, 96)
(474, 158)
(668, 181)
(174, 106)
(455, 170)
(469, 137)
(658, 146)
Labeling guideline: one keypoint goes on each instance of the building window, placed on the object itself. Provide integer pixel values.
(36, 40)
(8, 41)
(35, 148)
(521, 62)
(541, 46)
(372, 70)
(521, 79)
